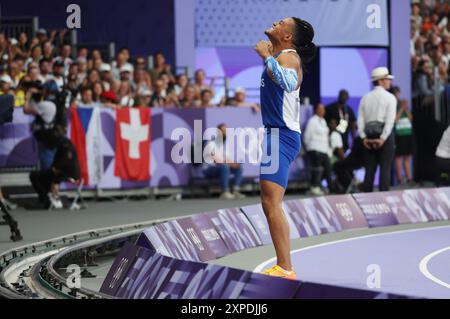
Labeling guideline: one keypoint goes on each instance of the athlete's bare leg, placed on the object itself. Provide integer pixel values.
(271, 198)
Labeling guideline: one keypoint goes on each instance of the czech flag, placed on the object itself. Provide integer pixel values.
(85, 134)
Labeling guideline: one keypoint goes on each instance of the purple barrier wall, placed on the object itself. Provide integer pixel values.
(376, 210)
(139, 273)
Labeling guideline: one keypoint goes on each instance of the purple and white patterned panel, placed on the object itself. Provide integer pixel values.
(430, 200)
(235, 229)
(175, 241)
(376, 210)
(443, 196)
(216, 282)
(405, 207)
(119, 269)
(309, 218)
(204, 251)
(209, 232)
(347, 211)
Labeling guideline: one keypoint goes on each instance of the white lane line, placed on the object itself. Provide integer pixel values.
(264, 264)
(423, 266)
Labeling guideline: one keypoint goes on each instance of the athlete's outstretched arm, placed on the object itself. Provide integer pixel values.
(284, 71)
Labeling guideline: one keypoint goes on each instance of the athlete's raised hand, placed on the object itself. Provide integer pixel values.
(264, 49)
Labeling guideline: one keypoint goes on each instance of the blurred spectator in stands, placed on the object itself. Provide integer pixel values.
(126, 96)
(94, 56)
(13, 50)
(74, 72)
(344, 116)
(206, 98)
(218, 164)
(181, 82)
(97, 91)
(167, 82)
(3, 48)
(106, 76)
(36, 55)
(403, 139)
(41, 35)
(143, 99)
(416, 18)
(82, 69)
(120, 62)
(33, 72)
(189, 99)
(239, 100)
(159, 66)
(199, 85)
(44, 69)
(58, 74)
(47, 51)
(142, 81)
(421, 83)
(97, 64)
(158, 99)
(172, 99)
(24, 45)
(443, 154)
(65, 52)
(15, 73)
(317, 143)
(5, 84)
(83, 53)
(109, 99)
(92, 76)
(140, 63)
(87, 98)
(126, 73)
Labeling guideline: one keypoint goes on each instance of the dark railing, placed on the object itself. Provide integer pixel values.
(13, 26)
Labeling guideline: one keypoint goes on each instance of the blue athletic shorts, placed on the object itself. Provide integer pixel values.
(280, 148)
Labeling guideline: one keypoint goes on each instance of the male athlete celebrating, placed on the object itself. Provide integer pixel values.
(289, 47)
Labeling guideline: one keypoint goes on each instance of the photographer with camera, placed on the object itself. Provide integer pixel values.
(47, 132)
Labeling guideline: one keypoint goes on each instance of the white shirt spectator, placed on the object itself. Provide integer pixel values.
(443, 149)
(46, 110)
(378, 105)
(316, 137)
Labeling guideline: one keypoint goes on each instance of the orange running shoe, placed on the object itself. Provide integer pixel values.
(277, 271)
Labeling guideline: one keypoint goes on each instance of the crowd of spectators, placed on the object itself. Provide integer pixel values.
(90, 80)
(430, 46)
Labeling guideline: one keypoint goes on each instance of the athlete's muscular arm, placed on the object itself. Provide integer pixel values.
(285, 70)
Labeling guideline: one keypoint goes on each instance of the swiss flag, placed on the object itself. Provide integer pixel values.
(133, 144)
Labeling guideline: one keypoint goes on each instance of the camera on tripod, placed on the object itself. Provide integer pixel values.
(6, 116)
